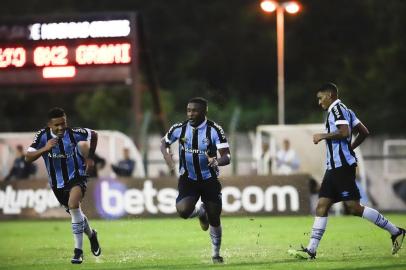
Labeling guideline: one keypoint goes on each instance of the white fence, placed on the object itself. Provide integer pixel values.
(110, 147)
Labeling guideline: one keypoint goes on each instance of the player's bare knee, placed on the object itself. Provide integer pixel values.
(73, 202)
(355, 209)
(183, 212)
(72, 205)
(321, 211)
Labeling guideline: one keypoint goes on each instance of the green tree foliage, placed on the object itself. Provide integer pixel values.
(105, 107)
(226, 52)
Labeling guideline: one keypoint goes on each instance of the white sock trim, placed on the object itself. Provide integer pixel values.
(76, 215)
(77, 227)
(320, 222)
(318, 229)
(379, 220)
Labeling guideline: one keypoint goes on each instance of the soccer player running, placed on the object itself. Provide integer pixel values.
(199, 139)
(67, 171)
(339, 179)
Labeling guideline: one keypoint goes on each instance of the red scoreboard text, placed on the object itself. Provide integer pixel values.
(16, 57)
(69, 49)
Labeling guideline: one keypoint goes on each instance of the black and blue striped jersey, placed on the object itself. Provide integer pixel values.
(339, 152)
(194, 143)
(64, 161)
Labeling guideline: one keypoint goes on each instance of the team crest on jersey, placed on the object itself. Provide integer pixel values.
(206, 141)
(184, 140)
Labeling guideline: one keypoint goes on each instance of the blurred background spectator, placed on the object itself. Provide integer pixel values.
(21, 169)
(125, 166)
(287, 161)
(266, 160)
(400, 189)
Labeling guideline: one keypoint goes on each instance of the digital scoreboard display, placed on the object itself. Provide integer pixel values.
(71, 49)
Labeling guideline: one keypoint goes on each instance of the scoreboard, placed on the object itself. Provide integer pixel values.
(88, 48)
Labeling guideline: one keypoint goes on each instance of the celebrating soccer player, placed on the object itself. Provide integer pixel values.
(199, 139)
(339, 179)
(67, 171)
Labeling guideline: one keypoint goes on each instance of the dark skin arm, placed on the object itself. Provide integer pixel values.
(167, 154)
(224, 159)
(342, 132)
(34, 155)
(92, 150)
(363, 132)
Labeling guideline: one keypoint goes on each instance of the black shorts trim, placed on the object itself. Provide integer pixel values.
(339, 184)
(62, 194)
(209, 190)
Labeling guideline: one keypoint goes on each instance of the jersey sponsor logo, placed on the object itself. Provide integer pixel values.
(79, 130)
(54, 155)
(174, 126)
(222, 133)
(194, 151)
(36, 135)
(336, 112)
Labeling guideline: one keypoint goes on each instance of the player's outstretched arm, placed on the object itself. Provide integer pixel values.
(363, 132)
(34, 155)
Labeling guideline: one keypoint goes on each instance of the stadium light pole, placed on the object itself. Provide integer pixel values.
(291, 7)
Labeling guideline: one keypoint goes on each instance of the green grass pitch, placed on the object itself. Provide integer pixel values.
(173, 243)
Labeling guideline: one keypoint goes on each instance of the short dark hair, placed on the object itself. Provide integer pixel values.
(199, 100)
(19, 147)
(56, 113)
(328, 87)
